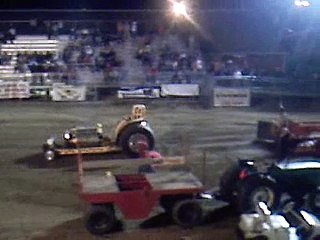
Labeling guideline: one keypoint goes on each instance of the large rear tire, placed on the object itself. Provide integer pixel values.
(100, 220)
(314, 201)
(253, 191)
(130, 137)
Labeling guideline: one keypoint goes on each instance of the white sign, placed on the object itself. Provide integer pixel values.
(231, 97)
(61, 92)
(139, 93)
(180, 90)
(14, 90)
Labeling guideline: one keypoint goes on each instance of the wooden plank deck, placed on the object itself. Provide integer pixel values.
(106, 183)
(109, 164)
(173, 180)
(99, 183)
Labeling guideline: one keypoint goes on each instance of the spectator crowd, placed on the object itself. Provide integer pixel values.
(95, 47)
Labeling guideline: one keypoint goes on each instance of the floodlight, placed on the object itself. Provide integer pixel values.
(305, 3)
(302, 3)
(179, 9)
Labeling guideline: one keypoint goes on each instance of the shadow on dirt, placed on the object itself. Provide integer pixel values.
(75, 229)
(65, 162)
(160, 220)
(38, 161)
(64, 230)
(225, 216)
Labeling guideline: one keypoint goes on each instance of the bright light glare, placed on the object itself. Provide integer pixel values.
(179, 9)
(302, 3)
(305, 3)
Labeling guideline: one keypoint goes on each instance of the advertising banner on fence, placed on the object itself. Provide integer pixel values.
(180, 90)
(14, 90)
(61, 92)
(231, 97)
(143, 92)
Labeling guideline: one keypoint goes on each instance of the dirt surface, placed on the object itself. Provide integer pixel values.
(39, 201)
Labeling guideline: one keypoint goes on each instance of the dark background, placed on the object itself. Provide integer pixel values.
(79, 4)
(225, 25)
(143, 4)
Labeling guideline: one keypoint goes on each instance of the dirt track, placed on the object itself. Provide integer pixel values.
(38, 202)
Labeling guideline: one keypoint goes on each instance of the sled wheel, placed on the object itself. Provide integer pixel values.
(100, 220)
(187, 213)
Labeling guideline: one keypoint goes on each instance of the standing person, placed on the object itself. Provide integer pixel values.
(283, 118)
(134, 29)
(126, 30)
(2, 38)
(48, 29)
(152, 75)
(284, 143)
(145, 153)
(11, 34)
(120, 30)
(54, 30)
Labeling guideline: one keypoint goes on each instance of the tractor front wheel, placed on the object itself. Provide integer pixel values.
(228, 183)
(314, 201)
(49, 155)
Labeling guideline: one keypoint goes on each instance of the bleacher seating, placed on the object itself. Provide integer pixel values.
(24, 45)
(131, 71)
(30, 46)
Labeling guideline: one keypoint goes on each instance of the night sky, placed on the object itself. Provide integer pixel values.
(80, 4)
(135, 4)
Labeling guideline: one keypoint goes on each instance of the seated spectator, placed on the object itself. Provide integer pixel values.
(134, 29)
(179, 77)
(111, 75)
(145, 55)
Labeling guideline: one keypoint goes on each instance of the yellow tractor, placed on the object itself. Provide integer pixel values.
(91, 140)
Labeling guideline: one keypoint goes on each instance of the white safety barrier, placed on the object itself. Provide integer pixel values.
(14, 90)
(180, 90)
(231, 97)
(61, 92)
(139, 93)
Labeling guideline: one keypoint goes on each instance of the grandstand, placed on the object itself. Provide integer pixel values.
(106, 55)
(80, 58)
